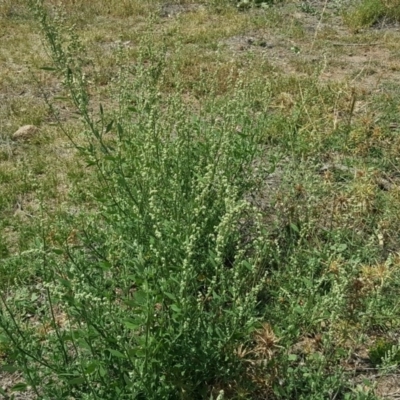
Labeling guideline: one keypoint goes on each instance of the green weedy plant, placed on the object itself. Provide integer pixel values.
(153, 296)
(366, 13)
(245, 4)
(385, 353)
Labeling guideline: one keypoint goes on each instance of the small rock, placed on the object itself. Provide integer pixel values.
(25, 133)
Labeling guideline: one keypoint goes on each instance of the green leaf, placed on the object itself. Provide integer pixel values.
(34, 297)
(91, 368)
(140, 297)
(138, 353)
(57, 251)
(342, 247)
(65, 283)
(19, 387)
(82, 344)
(294, 228)
(215, 295)
(77, 381)
(73, 335)
(105, 265)
(292, 357)
(102, 371)
(176, 308)
(298, 310)
(170, 296)
(67, 337)
(120, 129)
(248, 265)
(109, 126)
(4, 339)
(130, 303)
(367, 382)
(132, 324)
(9, 368)
(116, 353)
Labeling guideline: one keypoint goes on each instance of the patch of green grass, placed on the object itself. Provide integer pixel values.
(368, 12)
(381, 350)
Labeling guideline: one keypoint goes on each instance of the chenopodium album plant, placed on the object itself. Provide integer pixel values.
(159, 289)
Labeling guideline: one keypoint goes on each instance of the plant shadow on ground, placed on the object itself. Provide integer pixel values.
(211, 206)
